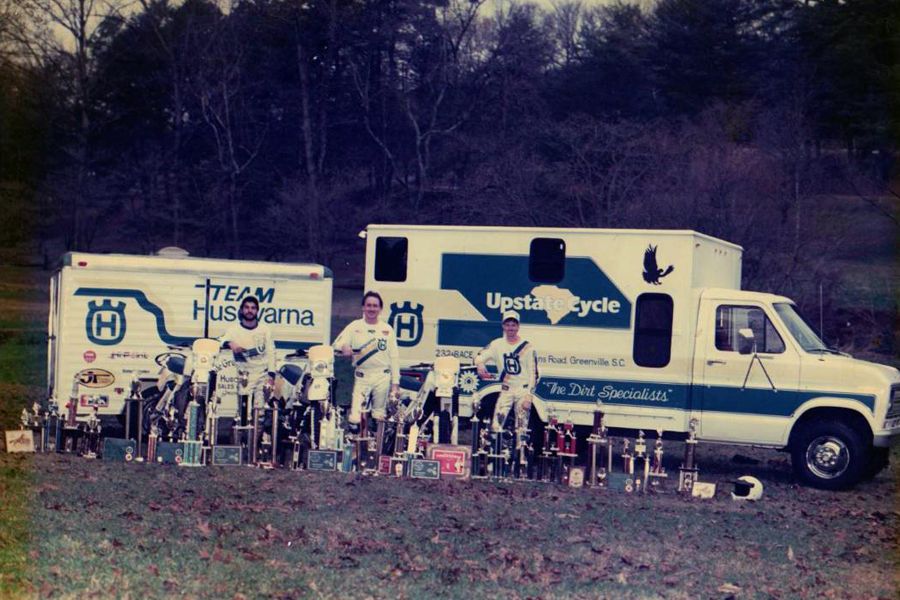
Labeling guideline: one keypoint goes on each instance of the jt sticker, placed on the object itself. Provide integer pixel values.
(95, 378)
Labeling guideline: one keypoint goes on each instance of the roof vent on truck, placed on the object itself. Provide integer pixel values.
(173, 252)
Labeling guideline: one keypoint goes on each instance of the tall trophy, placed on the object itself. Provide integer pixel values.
(568, 449)
(657, 471)
(640, 454)
(688, 472)
(550, 460)
(192, 445)
(92, 435)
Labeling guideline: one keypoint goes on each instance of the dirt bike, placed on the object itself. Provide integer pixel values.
(183, 403)
(305, 389)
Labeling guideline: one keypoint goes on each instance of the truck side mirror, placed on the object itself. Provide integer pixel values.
(746, 340)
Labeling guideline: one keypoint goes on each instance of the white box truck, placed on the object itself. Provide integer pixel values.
(650, 325)
(116, 317)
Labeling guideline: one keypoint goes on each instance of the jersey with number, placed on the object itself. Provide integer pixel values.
(259, 348)
(516, 369)
(374, 346)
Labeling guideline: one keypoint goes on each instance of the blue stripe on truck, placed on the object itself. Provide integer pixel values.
(174, 340)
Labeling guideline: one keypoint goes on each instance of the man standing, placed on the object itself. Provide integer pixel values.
(516, 361)
(376, 361)
(254, 350)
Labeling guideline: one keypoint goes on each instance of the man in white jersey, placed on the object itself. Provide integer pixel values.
(516, 363)
(372, 345)
(254, 350)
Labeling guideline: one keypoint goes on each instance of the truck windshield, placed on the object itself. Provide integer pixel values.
(800, 329)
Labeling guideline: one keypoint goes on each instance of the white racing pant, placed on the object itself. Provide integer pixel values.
(256, 382)
(370, 384)
(520, 397)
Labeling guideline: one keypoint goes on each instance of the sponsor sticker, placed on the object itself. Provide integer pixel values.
(89, 356)
(95, 378)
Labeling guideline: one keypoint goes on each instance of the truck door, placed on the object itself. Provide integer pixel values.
(744, 397)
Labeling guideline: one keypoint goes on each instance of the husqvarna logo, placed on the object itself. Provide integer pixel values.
(406, 320)
(105, 324)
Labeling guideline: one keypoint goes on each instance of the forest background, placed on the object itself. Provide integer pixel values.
(278, 129)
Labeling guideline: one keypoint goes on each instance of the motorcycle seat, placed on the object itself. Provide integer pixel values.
(175, 364)
(410, 383)
(292, 373)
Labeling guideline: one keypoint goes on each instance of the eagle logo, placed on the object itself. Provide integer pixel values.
(652, 272)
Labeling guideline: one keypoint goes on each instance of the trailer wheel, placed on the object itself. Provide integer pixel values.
(829, 455)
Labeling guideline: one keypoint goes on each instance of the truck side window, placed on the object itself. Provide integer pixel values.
(653, 330)
(731, 319)
(547, 260)
(390, 258)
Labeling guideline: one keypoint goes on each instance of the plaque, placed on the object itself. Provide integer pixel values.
(455, 460)
(576, 477)
(226, 456)
(384, 465)
(620, 482)
(119, 450)
(20, 440)
(169, 453)
(703, 489)
(321, 460)
(425, 469)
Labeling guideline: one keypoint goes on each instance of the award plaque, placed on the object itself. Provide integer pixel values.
(384, 465)
(321, 460)
(119, 450)
(226, 456)
(454, 459)
(169, 453)
(576, 477)
(20, 440)
(425, 469)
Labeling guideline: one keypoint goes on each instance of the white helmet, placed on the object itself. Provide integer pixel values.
(747, 488)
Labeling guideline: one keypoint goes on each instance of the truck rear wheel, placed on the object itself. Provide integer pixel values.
(829, 455)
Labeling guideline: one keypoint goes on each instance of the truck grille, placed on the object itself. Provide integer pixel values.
(894, 406)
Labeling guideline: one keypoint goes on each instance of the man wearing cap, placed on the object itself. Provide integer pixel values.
(372, 345)
(516, 361)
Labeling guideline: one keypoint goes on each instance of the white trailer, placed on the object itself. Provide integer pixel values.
(116, 317)
(650, 325)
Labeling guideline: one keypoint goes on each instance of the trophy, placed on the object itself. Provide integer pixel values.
(657, 471)
(567, 448)
(70, 431)
(151, 443)
(366, 451)
(627, 457)
(192, 445)
(241, 435)
(92, 435)
(688, 472)
(550, 459)
(499, 456)
(523, 450)
(640, 454)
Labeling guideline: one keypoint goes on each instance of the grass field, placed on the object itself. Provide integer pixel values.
(73, 528)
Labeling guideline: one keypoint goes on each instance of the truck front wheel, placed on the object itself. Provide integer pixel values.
(829, 455)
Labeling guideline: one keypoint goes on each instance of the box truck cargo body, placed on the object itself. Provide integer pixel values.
(650, 326)
(116, 317)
